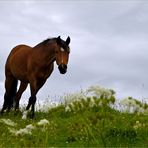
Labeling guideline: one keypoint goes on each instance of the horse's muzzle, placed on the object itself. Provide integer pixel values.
(62, 68)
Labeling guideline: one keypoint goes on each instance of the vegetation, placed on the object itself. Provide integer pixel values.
(83, 120)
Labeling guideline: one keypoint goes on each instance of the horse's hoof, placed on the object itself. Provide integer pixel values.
(17, 111)
(31, 115)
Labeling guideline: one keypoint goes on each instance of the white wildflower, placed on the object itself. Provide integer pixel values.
(30, 127)
(46, 105)
(12, 130)
(128, 102)
(8, 122)
(130, 105)
(24, 117)
(92, 102)
(135, 127)
(43, 122)
(138, 125)
(27, 130)
(23, 131)
(80, 99)
(99, 91)
(67, 109)
(69, 98)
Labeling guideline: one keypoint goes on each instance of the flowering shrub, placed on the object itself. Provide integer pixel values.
(92, 97)
(100, 92)
(132, 105)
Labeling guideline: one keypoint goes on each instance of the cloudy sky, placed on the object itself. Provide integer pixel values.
(109, 42)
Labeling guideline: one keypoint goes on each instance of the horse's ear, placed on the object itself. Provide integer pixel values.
(68, 40)
(59, 40)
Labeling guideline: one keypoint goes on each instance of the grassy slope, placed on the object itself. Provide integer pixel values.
(88, 127)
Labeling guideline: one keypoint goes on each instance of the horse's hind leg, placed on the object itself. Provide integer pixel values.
(22, 88)
(10, 91)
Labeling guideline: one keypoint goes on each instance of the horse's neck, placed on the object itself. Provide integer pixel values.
(45, 53)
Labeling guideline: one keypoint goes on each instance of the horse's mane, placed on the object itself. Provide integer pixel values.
(44, 42)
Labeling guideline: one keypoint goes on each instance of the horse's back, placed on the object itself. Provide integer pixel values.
(16, 63)
(19, 48)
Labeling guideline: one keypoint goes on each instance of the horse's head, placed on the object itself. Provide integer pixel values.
(62, 54)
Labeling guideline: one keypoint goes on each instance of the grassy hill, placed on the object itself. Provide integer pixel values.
(89, 122)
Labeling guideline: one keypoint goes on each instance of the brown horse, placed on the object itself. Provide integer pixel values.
(33, 65)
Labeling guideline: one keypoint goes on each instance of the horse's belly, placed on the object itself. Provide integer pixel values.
(20, 76)
(19, 73)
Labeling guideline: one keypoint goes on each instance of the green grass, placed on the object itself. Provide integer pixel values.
(82, 126)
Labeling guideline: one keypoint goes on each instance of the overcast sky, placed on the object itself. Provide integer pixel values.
(109, 42)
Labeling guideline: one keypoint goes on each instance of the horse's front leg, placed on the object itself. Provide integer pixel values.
(35, 85)
(32, 101)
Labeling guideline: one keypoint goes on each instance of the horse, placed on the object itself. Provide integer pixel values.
(32, 65)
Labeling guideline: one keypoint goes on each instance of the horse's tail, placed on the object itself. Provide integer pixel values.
(13, 92)
(9, 96)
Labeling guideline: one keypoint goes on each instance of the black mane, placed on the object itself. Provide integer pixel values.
(45, 41)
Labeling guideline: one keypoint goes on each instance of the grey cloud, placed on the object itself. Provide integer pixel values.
(109, 41)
